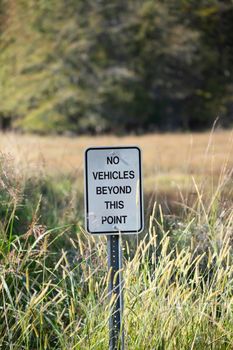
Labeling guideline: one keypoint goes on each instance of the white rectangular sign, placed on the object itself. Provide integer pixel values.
(113, 190)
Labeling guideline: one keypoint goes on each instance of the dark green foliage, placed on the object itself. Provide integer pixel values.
(115, 65)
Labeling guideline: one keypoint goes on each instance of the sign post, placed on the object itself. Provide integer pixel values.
(114, 207)
(116, 291)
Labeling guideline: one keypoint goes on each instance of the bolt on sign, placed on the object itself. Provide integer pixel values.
(113, 190)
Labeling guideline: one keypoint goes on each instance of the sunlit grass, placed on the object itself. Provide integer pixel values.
(164, 155)
(178, 275)
(175, 297)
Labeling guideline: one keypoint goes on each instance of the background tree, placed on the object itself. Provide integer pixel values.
(120, 66)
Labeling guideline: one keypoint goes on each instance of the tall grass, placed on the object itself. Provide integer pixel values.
(54, 281)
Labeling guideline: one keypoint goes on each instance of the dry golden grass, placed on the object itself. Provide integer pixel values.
(169, 160)
(178, 278)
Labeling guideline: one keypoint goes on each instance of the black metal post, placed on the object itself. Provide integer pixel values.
(116, 334)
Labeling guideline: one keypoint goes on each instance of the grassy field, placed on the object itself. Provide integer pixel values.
(172, 163)
(174, 155)
(178, 273)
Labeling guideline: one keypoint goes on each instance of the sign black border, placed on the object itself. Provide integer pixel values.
(87, 196)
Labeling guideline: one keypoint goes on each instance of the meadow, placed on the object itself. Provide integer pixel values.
(178, 273)
(172, 163)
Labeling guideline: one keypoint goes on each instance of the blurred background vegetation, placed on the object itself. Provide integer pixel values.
(115, 66)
